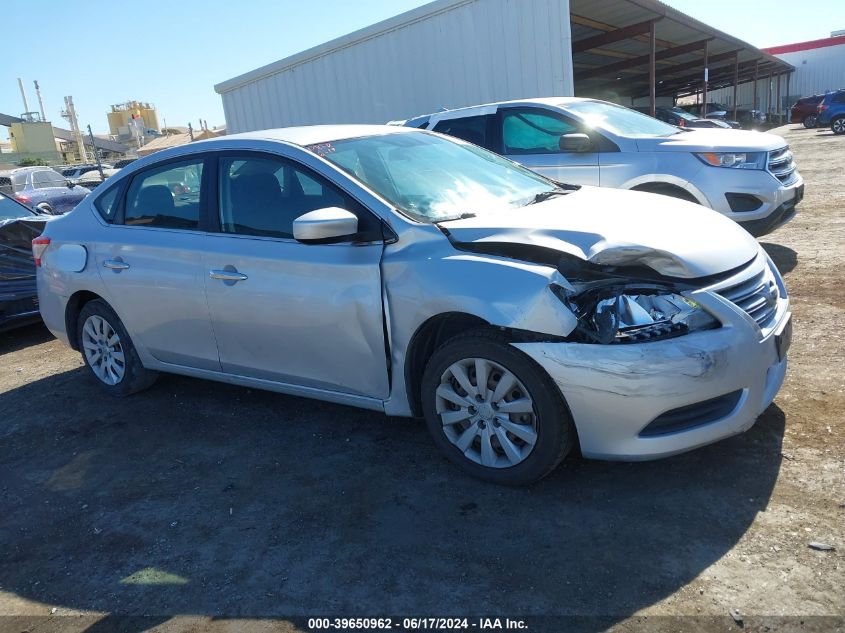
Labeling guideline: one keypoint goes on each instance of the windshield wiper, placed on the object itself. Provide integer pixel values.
(459, 216)
(545, 195)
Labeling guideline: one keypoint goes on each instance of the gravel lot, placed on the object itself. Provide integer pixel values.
(197, 499)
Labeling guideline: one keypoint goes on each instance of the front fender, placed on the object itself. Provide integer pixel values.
(502, 292)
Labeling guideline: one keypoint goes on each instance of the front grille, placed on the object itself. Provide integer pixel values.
(757, 295)
(781, 165)
(693, 415)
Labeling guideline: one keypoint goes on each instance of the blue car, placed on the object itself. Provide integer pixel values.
(42, 189)
(832, 112)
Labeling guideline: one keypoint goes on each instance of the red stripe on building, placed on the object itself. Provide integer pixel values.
(805, 46)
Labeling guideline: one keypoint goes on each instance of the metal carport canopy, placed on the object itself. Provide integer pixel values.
(612, 44)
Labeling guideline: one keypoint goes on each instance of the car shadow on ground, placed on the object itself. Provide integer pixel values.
(208, 499)
(784, 257)
(19, 338)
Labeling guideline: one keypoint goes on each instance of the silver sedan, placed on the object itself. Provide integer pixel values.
(417, 275)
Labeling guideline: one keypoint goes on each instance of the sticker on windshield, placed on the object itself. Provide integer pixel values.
(321, 149)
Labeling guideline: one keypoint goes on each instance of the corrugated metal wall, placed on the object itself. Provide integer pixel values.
(816, 71)
(472, 52)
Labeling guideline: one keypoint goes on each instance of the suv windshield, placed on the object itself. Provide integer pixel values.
(433, 179)
(618, 120)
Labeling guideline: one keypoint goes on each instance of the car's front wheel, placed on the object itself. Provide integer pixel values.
(44, 208)
(810, 121)
(493, 411)
(837, 126)
(108, 351)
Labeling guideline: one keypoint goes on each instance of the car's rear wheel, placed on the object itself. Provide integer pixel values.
(108, 351)
(493, 411)
(44, 208)
(837, 126)
(810, 121)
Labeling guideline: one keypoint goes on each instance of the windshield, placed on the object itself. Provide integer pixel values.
(433, 179)
(10, 210)
(619, 120)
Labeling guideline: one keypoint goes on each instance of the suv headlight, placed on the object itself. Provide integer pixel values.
(734, 160)
(637, 316)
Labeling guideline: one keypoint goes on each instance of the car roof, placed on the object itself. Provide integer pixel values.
(487, 108)
(311, 134)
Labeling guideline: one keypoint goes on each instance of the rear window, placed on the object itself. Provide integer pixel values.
(107, 203)
(9, 209)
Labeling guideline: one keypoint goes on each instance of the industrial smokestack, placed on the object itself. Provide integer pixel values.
(23, 95)
(40, 102)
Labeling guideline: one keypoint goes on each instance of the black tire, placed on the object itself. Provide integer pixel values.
(44, 208)
(837, 125)
(809, 121)
(556, 433)
(136, 377)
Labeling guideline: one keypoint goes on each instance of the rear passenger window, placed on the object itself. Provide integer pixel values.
(839, 98)
(263, 196)
(472, 129)
(106, 204)
(166, 197)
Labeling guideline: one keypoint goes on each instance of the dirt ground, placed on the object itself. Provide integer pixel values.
(207, 506)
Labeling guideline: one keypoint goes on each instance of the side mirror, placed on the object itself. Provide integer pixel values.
(71, 183)
(575, 142)
(322, 225)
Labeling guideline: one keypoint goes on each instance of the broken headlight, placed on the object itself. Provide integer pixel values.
(633, 317)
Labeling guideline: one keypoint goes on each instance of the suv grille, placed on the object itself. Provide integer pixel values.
(757, 295)
(781, 165)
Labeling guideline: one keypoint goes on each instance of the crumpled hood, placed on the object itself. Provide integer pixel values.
(615, 227)
(713, 140)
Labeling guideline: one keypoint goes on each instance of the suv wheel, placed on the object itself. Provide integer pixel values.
(810, 121)
(837, 126)
(108, 351)
(493, 411)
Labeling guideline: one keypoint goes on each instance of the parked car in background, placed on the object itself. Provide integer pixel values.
(75, 172)
(681, 118)
(805, 111)
(410, 273)
(748, 176)
(91, 180)
(42, 189)
(18, 294)
(123, 162)
(745, 118)
(832, 112)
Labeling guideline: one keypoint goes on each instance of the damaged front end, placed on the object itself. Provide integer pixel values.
(616, 303)
(613, 313)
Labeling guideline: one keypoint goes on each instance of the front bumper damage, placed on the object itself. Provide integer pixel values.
(650, 400)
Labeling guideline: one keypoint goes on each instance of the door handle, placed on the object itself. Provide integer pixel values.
(115, 264)
(227, 275)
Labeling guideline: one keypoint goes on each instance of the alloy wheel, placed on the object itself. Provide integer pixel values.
(487, 413)
(103, 350)
(838, 126)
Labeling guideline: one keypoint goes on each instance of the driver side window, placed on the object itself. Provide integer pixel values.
(529, 131)
(263, 195)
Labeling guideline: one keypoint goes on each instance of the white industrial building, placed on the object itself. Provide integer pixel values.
(819, 68)
(455, 53)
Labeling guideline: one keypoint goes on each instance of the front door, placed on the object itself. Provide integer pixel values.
(151, 265)
(531, 136)
(303, 314)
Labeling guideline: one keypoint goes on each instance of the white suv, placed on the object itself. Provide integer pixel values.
(748, 176)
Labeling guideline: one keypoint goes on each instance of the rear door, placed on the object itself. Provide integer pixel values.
(151, 263)
(531, 136)
(303, 314)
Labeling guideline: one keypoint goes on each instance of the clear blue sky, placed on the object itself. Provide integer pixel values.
(172, 52)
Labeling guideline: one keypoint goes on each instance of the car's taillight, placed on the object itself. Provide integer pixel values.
(39, 245)
(23, 199)
(822, 107)
(682, 123)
